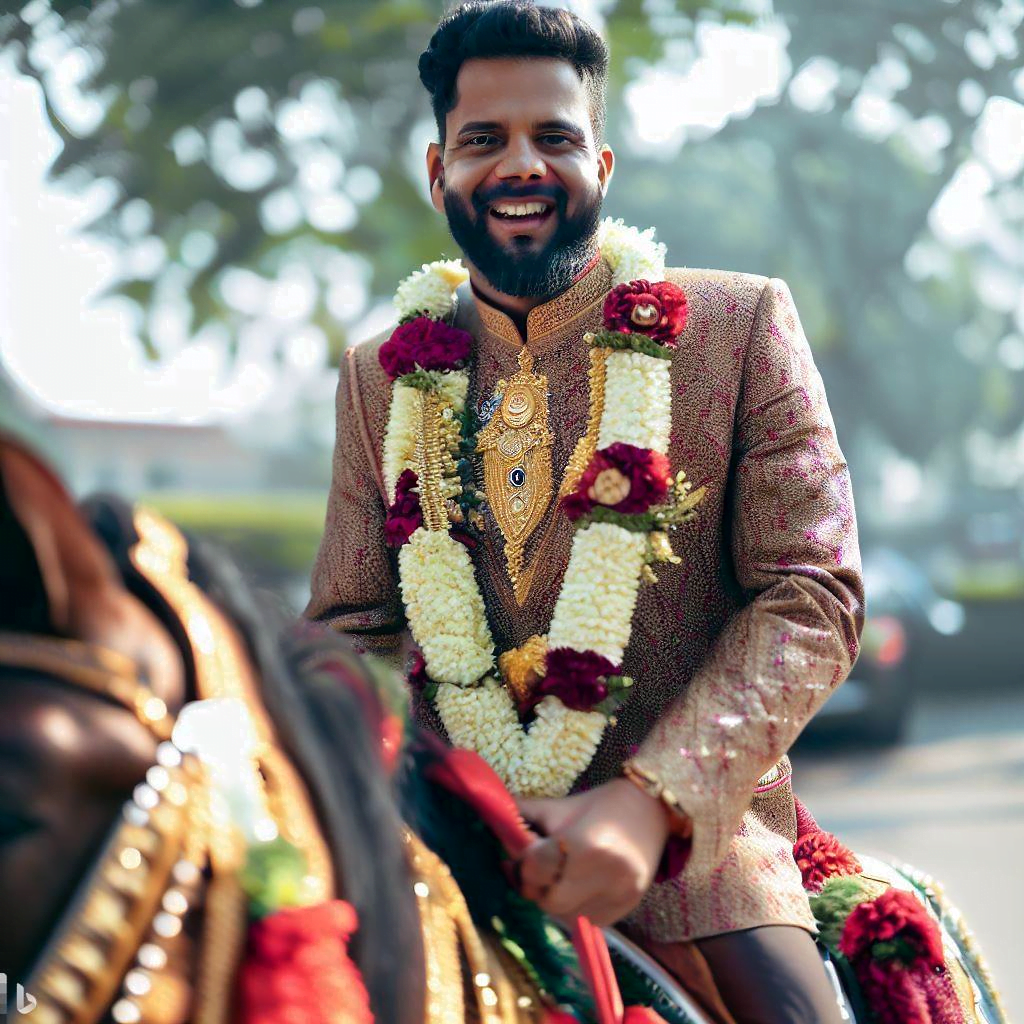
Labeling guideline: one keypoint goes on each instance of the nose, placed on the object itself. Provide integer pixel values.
(522, 160)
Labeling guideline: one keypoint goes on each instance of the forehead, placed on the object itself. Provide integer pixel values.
(518, 91)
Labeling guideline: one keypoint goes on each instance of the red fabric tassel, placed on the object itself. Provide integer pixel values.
(898, 994)
(468, 776)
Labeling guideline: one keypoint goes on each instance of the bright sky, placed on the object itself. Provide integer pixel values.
(78, 356)
(71, 353)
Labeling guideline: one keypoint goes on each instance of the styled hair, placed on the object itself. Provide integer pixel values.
(512, 28)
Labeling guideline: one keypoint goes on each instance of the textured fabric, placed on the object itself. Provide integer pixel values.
(734, 649)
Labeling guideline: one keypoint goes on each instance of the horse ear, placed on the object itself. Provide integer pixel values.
(63, 556)
(24, 606)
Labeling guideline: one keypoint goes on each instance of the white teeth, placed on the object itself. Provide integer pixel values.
(519, 209)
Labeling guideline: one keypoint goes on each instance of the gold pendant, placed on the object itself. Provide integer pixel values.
(516, 448)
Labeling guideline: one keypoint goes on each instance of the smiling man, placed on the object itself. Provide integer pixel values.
(584, 377)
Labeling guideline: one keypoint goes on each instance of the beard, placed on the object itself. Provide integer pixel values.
(519, 270)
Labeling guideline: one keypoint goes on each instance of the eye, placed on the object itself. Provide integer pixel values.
(553, 140)
(480, 141)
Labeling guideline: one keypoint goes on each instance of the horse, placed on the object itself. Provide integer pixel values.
(129, 895)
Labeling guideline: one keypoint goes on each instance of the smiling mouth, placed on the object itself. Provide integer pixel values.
(528, 213)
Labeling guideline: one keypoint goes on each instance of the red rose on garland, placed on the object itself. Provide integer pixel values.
(424, 344)
(576, 678)
(622, 477)
(641, 307)
(297, 967)
(405, 516)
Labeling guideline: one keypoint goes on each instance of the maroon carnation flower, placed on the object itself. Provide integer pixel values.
(424, 344)
(894, 916)
(405, 516)
(820, 856)
(640, 307)
(639, 475)
(418, 678)
(576, 678)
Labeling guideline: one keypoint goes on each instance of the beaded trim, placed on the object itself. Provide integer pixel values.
(131, 907)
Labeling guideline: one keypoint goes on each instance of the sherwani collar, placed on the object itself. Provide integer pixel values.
(546, 324)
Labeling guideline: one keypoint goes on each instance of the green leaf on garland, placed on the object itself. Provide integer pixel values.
(275, 875)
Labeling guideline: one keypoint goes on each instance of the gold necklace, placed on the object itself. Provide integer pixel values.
(516, 449)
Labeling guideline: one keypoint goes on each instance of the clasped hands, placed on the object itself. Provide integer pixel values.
(598, 853)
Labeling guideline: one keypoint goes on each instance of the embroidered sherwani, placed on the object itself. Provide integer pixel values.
(734, 649)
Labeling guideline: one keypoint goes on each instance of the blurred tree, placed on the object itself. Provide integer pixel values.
(267, 157)
(252, 136)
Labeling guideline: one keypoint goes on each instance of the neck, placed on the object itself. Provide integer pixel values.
(516, 307)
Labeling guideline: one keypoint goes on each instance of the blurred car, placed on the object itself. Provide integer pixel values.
(904, 613)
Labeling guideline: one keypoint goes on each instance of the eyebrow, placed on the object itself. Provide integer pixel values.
(554, 124)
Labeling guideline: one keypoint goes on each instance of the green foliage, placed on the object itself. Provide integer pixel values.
(195, 92)
(621, 341)
(278, 533)
(834, 904)
(274, 876)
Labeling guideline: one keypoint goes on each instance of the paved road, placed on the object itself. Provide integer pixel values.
(950, 800)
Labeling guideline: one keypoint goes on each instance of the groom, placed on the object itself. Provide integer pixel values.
(736, 646)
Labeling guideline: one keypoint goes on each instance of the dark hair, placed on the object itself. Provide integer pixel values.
(329, 730)
(512, 28)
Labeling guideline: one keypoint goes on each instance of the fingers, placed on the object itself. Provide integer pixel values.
(591, 886)
(544, 815)
(541, 868)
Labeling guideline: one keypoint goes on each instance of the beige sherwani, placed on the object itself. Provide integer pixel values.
(734, 649)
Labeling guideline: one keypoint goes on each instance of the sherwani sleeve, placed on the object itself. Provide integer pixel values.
(795, 554)
(354, 586)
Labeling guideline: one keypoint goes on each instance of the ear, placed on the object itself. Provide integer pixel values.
(24, 604)
(435, 175)
(605, 167)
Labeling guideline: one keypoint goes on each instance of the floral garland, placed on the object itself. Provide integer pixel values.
(887, 936)
(618, 491)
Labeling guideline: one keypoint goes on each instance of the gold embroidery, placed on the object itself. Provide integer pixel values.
(587, 444)
(523, 667)
(430, 452)
(516, 447)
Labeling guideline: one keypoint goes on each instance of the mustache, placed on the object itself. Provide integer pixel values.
(483, 199)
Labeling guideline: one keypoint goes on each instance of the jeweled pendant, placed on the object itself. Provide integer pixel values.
(516, 449)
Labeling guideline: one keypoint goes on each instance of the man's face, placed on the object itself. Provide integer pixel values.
(521, 179)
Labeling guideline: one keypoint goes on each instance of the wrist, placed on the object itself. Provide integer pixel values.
(678, 821)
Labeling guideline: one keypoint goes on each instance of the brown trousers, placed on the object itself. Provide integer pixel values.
(767, 975)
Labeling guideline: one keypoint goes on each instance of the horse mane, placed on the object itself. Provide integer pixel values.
(331, 731)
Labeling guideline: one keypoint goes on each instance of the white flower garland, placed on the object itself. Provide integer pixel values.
(594, 611)
(637, 401)
(445, 607)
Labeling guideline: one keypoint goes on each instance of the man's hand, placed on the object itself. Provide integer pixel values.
(600, 851)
